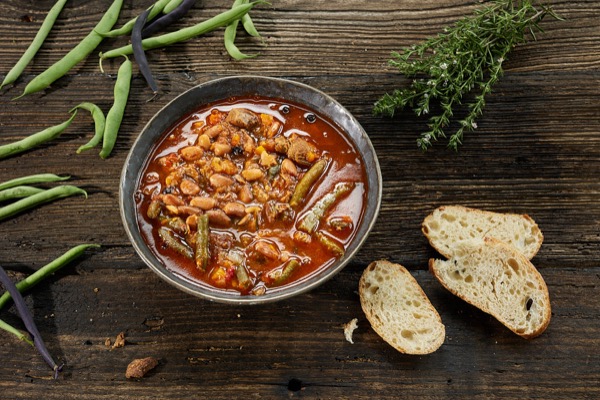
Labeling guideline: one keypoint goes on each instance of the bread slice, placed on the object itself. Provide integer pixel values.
(398, 309)
(500, 281)
(447, 225)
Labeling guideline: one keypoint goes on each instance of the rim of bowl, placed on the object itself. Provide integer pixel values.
(226, 87)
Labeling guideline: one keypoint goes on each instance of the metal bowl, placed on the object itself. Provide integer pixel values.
(221, 89)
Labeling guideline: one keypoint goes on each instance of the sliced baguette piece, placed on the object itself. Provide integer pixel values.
(447, 225)
(499, 280)
(398, 309)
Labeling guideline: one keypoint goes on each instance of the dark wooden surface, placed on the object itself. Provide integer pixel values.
(537, 151)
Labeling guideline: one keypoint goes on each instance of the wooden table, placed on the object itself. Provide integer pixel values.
(536, 151)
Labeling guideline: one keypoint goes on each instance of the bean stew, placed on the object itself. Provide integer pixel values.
(251, 194)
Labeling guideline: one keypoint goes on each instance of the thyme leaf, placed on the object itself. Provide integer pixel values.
(467, 57)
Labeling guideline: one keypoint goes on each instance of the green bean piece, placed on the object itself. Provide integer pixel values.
(202, 251)
(36, 178)
(37, 199)
(35, 45)
(229, 38)
(20, 335)
(126, 29)
(280, 276)
(222, 19)
(249, 24)
(47, 270)
(173, 243)
(330, 244)
(18, 192)
(171, 5)
(35, 139)
(78, 53)
(116, 112)
(244, 280)
(307, 181)
(310, 221)
(99, 123)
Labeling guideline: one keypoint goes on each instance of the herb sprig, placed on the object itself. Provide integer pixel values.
(467, 55)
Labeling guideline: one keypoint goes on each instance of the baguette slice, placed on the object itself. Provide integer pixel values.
(500, 281)
(398, 309)
(447, 225)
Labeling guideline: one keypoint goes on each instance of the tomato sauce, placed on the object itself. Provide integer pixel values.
(226, 198)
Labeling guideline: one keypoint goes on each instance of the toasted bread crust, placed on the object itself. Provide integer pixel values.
(398, 309)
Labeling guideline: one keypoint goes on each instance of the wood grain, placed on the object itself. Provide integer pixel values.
(536, 151)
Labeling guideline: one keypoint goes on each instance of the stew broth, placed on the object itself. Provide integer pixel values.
(251, 194)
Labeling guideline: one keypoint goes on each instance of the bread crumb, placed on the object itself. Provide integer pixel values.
(140, 367)
(119, 341)
(349, 328)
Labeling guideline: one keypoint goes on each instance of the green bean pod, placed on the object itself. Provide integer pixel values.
(229, 38)
(36, 178)
(126, 29)
(280, 276)
(202, 239)
(310, 221)
(99, 123)
(18, 192)
(330, 244)
(35, 139)
(220, 20)
(307, 181)
(35, 45)
(249, 24)
(47, 270)
(37, 199)
(173, 4)
(114, 117)
(168, 237)
(78, 53)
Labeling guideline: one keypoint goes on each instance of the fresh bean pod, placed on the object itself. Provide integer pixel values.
(114, 117)
(184, 34)
(280, 276)
(229, 38)
(35, 45)
(78, 53)
(138, 51)
(99, 123)
(18, 192)
(126, 29)
(307, 181)
(35, 139)
(169, 18)
(173, 4)
(202, 253)
(36, 178)
(330, 244)
(37, 199)
(47, 270)
(28, 321)
(249, 24)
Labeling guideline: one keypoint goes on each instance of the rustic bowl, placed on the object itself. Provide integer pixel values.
(220, 89)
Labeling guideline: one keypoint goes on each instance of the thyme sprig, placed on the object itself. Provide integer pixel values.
(467, 55)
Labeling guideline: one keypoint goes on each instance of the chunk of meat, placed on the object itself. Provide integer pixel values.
(297, 150)
(243, 118)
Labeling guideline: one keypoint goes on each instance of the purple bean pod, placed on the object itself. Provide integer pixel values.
(28, 321)
(138, 50)
(167, 19)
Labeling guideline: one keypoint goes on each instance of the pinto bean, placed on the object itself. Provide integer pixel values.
(220, 149)
(189, 187)
(289, 167)
(234, 209)
(245, 193)
(192, 153)
(204, 203)
(188, 210)
(172, 200)
(214, 130)
(203, 141)
(218, 217)
(219, 181)
(253, 174)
